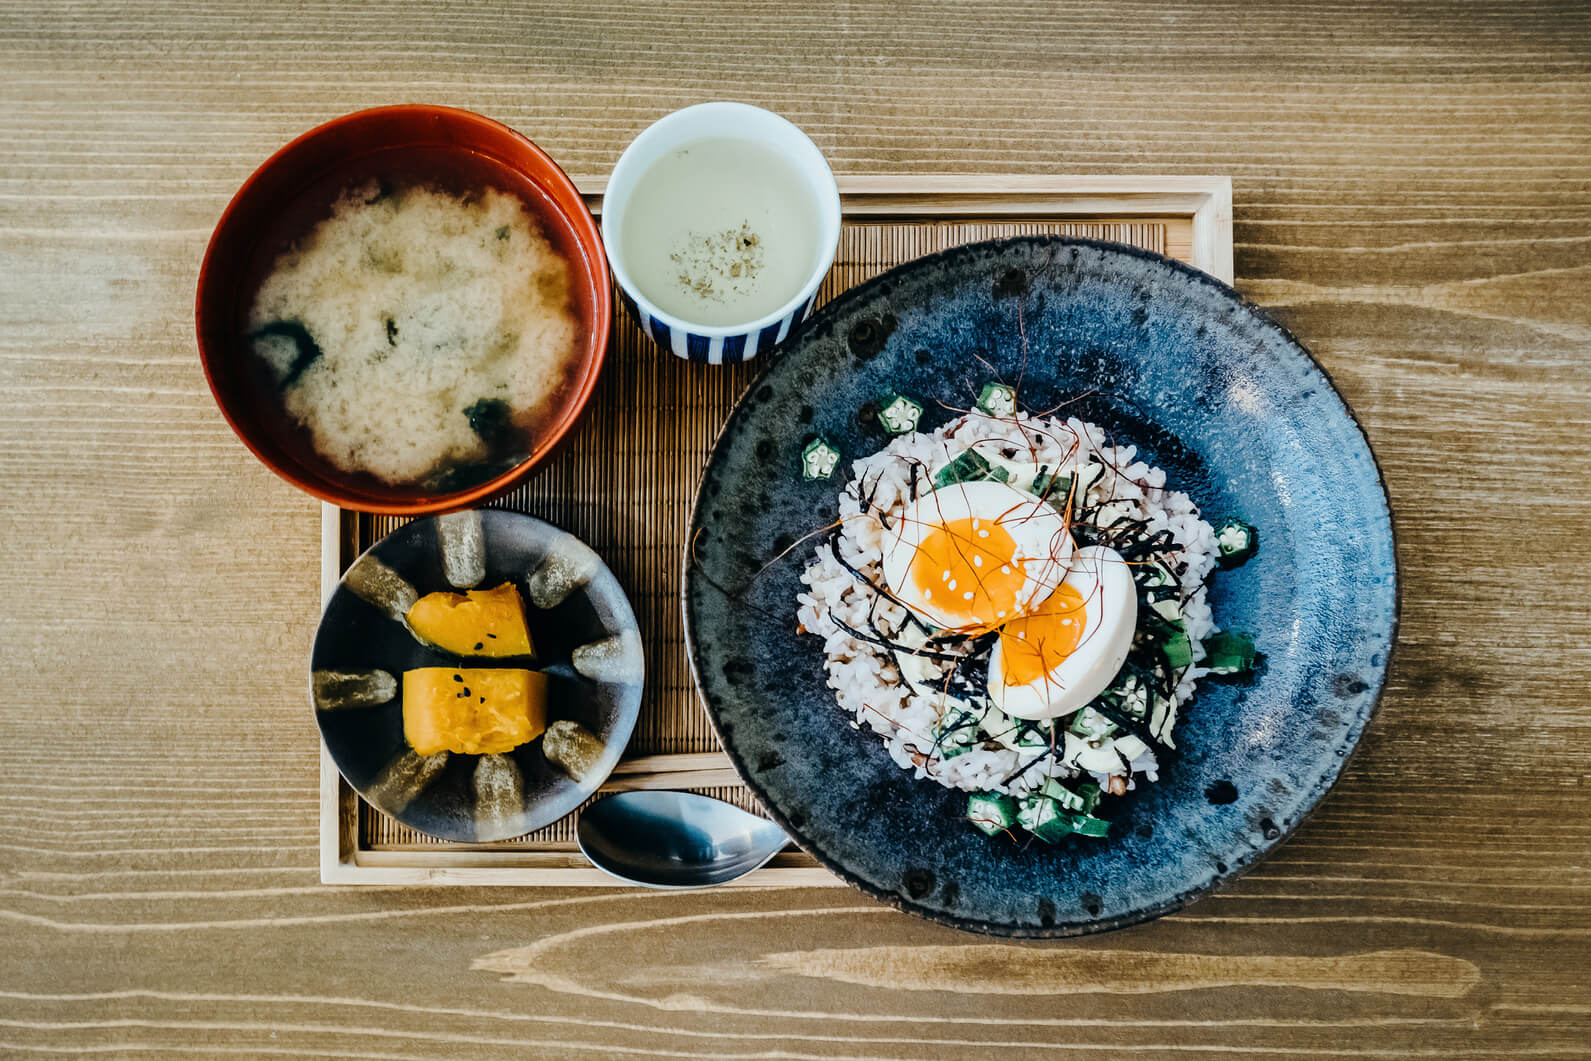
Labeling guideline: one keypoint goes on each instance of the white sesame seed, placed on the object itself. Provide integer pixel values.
(975, 524)
(977, 561)
(952, 584)
(928, 594)
(944, 574)
(999, 615)
(967, 595)
(983, 534)
(1005, 569)
(1021, 635)
(1066, 622)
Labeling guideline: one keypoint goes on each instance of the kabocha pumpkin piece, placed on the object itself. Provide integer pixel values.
(489, 622)
(473, 710)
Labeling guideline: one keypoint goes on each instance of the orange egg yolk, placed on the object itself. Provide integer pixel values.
(1036, 643)
(966, 570)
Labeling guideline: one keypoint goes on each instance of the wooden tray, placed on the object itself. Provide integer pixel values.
(624, 481)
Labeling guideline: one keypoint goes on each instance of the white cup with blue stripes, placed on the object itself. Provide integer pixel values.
(764, 131)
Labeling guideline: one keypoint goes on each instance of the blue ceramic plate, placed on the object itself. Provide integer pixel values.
(443, 796)
(1163, 357)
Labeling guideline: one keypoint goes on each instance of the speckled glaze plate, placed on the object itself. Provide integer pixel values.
(448, 796)
(1162, 356)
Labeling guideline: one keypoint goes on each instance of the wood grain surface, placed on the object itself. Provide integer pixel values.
(1412, 198)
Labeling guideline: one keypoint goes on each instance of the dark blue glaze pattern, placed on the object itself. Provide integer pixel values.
(1164, 357)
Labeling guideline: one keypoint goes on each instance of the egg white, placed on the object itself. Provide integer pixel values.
(1110, 609)
(1043, 545)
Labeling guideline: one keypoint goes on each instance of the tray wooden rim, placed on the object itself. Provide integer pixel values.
(1206, 201)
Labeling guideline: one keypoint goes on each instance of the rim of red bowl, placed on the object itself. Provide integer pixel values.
(559, 187)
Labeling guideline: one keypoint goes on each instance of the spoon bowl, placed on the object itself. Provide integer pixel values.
(663, 839)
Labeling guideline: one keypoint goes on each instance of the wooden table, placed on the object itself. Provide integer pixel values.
(1413, 199)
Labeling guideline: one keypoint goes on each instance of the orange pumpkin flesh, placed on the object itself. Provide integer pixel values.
(473, 711)
(488, 622)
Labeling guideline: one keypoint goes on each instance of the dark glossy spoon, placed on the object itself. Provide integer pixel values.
(663, 839)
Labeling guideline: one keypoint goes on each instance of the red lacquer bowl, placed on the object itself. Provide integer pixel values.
(440, 146)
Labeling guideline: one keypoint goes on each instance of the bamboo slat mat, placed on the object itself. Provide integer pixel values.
(625, 479)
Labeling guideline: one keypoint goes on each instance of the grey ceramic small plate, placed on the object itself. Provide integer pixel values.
(1163, 357)
(469, 797)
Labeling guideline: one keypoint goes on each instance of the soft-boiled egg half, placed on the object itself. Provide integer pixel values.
(1068, 647)
(971, 557)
